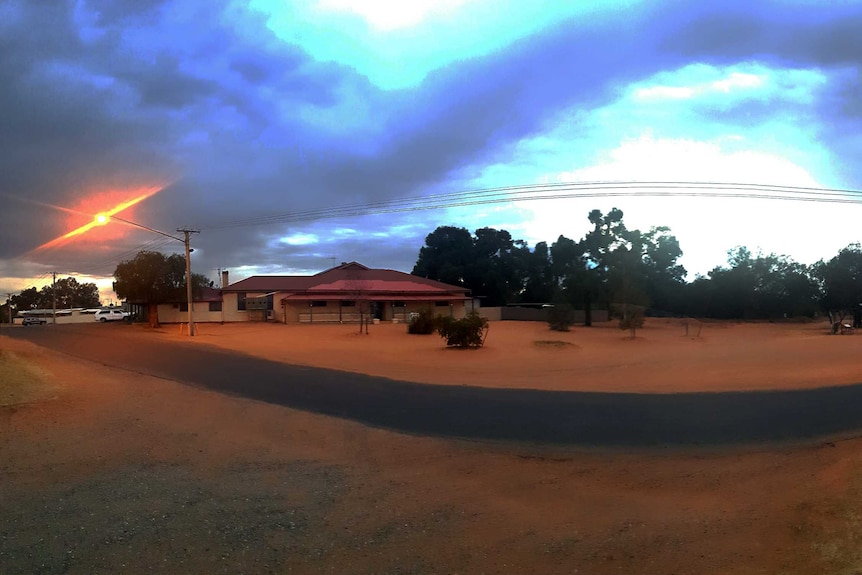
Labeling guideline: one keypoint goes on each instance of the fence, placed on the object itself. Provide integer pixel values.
(513, 313)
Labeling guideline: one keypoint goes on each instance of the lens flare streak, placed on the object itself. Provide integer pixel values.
(99, 219)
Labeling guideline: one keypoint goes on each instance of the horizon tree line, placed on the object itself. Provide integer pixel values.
(613, 266)
(69, 293)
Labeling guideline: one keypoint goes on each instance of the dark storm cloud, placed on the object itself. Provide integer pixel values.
(458, 117)
(89, 114)
(811, 34)
(825, 37)
(243, 125)
(795, 36)
(218, 109)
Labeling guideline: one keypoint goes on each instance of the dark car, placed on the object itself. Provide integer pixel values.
(33, 320)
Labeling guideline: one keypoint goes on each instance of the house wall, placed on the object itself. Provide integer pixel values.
(170, 313)
(229, 308)
(229, 303)
(528, 314)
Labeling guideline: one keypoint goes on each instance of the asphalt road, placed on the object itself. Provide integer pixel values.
(571, 418)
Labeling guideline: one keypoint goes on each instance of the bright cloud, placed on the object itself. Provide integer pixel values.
(393, 14)
(655, 160)
(397, 44)
(300, 239)
(661, 130)
(733, 81)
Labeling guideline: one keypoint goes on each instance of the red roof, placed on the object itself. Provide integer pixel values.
(349, 280)
(373, 297)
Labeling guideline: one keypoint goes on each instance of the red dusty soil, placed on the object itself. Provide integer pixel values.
(105, 471)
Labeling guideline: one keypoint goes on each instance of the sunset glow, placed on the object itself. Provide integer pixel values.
(101, 218)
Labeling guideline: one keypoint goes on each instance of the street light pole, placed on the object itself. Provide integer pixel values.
(189, 299)
(54, 299)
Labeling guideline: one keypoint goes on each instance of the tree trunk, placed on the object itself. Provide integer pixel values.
(153, 314)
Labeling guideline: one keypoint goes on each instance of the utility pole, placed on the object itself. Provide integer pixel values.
(191, 304)
(188, 261)
(54, 299)
(9, 307)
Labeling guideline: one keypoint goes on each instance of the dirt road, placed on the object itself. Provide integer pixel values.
(109, 471)
(529, 415)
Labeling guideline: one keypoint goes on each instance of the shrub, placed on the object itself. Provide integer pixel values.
(466, 332)
(561, 317)
(423, 323)
(632, 318)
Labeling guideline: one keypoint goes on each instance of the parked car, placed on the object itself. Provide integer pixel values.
(34, 320)
(104, 315)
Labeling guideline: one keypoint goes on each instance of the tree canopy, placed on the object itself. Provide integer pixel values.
(152, 278)
(490, 263)
(69, 293)
(841, 283)
(613, 266)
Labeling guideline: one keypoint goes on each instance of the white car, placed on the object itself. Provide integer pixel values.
(104, 315)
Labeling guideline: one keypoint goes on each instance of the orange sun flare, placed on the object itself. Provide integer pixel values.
(101, 218)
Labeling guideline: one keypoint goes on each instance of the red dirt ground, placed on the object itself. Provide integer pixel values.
(724, 356)
(220, 476)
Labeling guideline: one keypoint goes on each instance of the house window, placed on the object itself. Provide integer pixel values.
(398, 304)
(441, 303)
(318, 303)
(215, 306)
(240, 301)
(348, 303)
(184, 307)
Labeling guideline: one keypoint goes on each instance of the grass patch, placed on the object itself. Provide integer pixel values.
(20, 382)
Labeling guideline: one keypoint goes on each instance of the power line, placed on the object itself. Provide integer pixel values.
(516, 193)
(557, 191)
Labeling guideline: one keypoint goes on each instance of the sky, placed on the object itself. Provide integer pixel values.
(273, 126)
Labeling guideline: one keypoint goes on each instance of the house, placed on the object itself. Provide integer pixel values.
(340, 294)
(207, 307)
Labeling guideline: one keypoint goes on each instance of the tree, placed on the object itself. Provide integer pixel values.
(571, 278)
(537, 273)
(447, 253)
(755, 287)
(70, 294)
(841, 280)
(27, 299)
(153, 278)
(490, 265)
(496, 271)
(664, 278)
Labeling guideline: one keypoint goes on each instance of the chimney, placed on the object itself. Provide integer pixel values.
(224, 279)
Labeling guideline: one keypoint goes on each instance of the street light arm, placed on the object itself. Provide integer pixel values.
(146, 228)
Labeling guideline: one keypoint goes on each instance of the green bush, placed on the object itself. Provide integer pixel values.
(467, 332)
(561, 317)
(423, 323)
